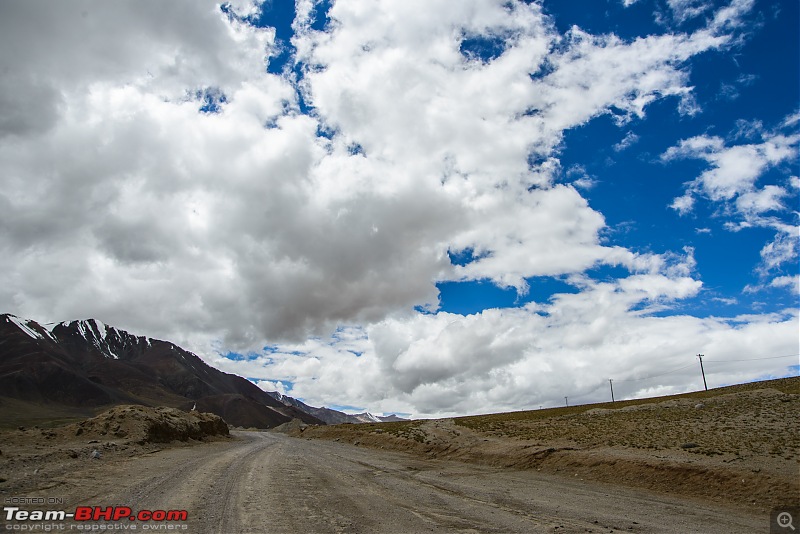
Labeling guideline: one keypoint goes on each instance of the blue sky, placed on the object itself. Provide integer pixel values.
(631, 187)
(425, 207)
(625, 177)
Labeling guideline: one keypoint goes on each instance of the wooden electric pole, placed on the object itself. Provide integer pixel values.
(566, 401)
(610, 383)
(703, 371)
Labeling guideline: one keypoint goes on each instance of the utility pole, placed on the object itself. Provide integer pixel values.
(610, 383)
(566, 401)
(703, 371)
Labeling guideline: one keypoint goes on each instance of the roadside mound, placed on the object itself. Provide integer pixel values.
(143, 424)
(34, 458)
(737, 445)
(293, 427)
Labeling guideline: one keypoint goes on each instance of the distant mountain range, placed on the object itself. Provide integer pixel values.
(333, 417)
(77, 367)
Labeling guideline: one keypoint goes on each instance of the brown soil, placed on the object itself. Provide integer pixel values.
(658, 465)
(266, 482)
(736, 446)
(29, 456)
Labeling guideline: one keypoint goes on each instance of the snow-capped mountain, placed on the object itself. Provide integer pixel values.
(106, 340)
(330, 416)
(84, 365)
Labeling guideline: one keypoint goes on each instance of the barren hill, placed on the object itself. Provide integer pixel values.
(73, 369)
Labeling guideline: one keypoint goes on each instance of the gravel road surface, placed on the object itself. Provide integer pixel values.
(267, 482)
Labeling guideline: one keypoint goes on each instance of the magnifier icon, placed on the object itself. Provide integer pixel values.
(785, 520)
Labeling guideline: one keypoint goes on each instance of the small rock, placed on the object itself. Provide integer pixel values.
(699, 406)
(96, 454)
(689, 445)
(93, 441)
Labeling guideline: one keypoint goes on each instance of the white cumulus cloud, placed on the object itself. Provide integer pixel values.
(155, 175)
(732, 182)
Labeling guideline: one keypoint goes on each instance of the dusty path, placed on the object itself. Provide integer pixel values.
(264, 482)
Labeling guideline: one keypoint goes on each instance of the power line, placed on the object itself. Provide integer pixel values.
(656, 376)
(711, 361)
(756, 359)
(593, 389)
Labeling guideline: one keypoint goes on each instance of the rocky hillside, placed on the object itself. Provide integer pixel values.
(75, 368)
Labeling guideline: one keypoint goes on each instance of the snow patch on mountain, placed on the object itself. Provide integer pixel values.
(331, 416)
(103, 337)
(367, 417)
(27, 327)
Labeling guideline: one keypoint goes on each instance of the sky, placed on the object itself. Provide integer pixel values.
(427, 207)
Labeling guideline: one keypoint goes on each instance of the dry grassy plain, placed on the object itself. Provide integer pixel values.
(737, 446)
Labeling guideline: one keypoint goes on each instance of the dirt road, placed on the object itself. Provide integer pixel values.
(265, 482)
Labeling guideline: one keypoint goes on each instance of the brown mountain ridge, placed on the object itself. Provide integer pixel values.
(76, 369)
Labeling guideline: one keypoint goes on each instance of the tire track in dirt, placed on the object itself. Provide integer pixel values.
(207, 485)
(271, 483)
(456, 497)
(535, 517)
